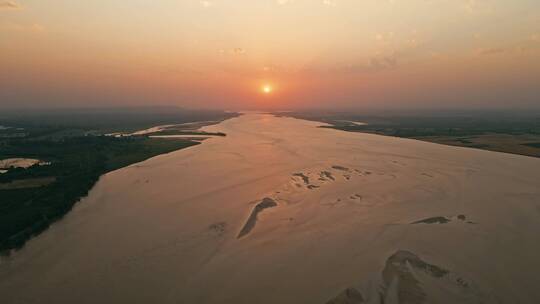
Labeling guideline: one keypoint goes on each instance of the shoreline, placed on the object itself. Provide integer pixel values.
(487, 141)
(63, 192)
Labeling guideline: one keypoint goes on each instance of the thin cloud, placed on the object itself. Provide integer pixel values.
(492, 51)
(476, 6)
(385, 37)
(15, 27)
(374, 64)
(234, 51)
(206, 4)
(9, 5)
(526, 44)
(383, 63)
(329, 2)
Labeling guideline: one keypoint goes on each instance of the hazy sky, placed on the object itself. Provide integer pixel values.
(319, 53)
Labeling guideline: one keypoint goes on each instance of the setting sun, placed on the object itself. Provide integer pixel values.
(267, 89)
(227, 149)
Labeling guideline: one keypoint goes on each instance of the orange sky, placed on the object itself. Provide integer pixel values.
(314, 53)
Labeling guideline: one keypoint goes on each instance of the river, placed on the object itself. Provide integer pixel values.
(324, 215)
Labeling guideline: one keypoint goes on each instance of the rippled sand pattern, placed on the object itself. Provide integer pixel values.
(280, 211)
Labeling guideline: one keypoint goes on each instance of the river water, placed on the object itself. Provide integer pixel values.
(167, 230)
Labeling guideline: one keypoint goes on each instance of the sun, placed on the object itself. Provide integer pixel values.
(267, 89)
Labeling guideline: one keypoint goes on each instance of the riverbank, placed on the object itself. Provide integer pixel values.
(35, 197)
(509, 133)
(49, 162)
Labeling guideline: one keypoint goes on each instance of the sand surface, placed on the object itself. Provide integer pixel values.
(20, 162)
(192, 137)
(280, 211)
(187, 126)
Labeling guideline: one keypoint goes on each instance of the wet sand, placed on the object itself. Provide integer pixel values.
(348, 218)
